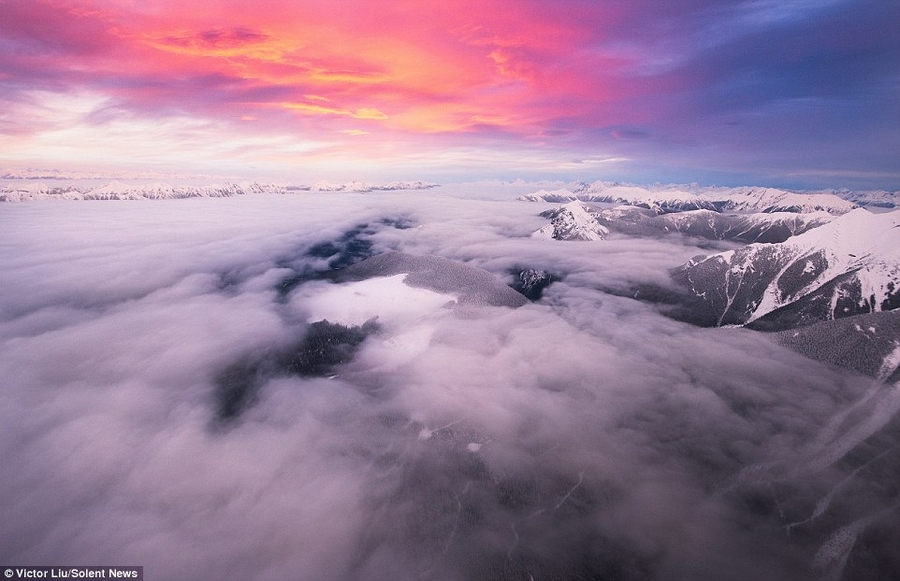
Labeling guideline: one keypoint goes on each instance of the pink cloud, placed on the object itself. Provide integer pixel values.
(494, 66)
(526, 73)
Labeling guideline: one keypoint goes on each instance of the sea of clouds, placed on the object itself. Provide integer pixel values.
(581, 436)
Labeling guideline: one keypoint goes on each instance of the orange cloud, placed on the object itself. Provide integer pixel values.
(309, 108)
(326, 71)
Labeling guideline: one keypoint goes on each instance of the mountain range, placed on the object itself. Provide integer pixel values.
(580, 221)
(818, 273)
(848, 266)
(663, 199)
(22, 190)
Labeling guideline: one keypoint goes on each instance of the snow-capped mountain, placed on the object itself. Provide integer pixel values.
(774, 227)
(668, 199)
(775, 200)
(572, 221)
(28, 191)
(557, 196)
(659, 200)
(118, 190)
(846, 267)
(354, 186)
(161, 191)
(601, 192)
(568, 222)
(870, 198)
(760, 227)
(360, 187)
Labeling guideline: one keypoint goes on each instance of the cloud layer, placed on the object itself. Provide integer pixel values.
(580, 435)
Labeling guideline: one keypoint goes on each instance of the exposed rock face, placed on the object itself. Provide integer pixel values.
(767, 200)
(30, 190)
(579, 221)
(571, 222)
(771, 228)
(847, 267)
(601, 192)
(666, 199)
(531, 282)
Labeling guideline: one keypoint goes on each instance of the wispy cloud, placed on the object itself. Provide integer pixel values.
(504, 75)
(585, 433)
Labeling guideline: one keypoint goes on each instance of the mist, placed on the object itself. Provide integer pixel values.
(583, 435)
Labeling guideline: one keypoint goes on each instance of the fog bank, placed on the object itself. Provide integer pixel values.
(580, 436)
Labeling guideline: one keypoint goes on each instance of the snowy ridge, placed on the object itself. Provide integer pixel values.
(571, 222)
(772, 227)
(862, 243)
(604, 192)
(358, 186)
(637, 221)
(870, 198)
(775, 200)
(117, 190)
(560, 196)
(849, 266)
(123, 191)
(796, 223)
(672, 198)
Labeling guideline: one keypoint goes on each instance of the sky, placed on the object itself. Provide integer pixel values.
(738, 92)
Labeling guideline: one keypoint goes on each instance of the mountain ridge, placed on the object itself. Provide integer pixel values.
(674, 198)
(118, 190)
(849, 266)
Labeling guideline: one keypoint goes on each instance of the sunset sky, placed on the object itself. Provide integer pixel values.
(771, 92)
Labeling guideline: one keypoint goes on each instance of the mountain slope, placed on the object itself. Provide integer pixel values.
(470, 284)
(125, 191)
(658, 201)
(30, 190)
(667, 199)
(572, 221)
(868, 343)
(579, 221)
(774, 200)
(846, 267)
(773, 227)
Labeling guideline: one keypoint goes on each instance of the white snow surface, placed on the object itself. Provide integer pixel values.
(741, 199)
(748, 199)
(602, 192)
(409, 313)
(387, 297)
(34, 190)
(859, 242)
(572, 222)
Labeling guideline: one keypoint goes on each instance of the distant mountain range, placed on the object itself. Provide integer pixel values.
(28, 190)
(674, 198)
(580, 221)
